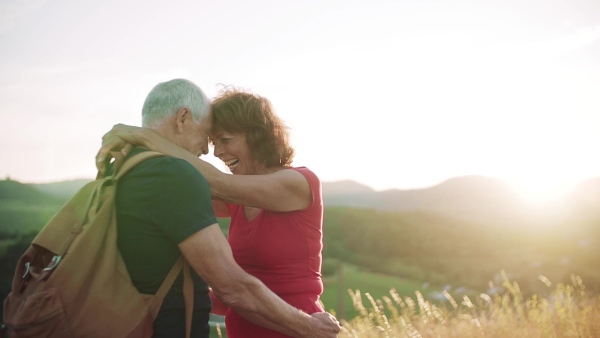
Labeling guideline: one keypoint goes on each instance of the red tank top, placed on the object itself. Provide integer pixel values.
(282, 249)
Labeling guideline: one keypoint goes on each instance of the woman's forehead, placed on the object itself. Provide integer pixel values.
(216, 133)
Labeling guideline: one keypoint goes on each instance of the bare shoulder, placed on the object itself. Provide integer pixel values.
(292, 177)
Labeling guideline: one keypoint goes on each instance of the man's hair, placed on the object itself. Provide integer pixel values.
(237, 111)
(166, 98)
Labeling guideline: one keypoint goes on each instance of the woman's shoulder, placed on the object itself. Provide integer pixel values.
(308, 174)
(303, 169)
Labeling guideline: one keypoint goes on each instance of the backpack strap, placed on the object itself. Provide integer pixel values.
(122, 168)
(188, 297)
(166, 285)
(188, 292)
(188, 286)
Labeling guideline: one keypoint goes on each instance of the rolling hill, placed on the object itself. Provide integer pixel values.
(476, 199)
(24, 208)
(14, 191)
(63, 189)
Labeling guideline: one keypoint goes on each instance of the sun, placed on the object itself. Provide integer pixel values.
(542, 190)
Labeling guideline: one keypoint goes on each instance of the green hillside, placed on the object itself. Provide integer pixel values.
(430, 248)
(380, 250)
(18, 192)
(24, 208)
(64, 189)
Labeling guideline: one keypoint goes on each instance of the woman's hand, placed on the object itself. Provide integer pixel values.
(117, 143)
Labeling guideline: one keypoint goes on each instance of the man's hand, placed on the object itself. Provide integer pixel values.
(324, 325)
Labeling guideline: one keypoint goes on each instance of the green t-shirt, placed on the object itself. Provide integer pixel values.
(160, 203)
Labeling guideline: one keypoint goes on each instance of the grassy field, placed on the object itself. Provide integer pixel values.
(217, 327)
(354, 278)
(566, 310)
(384, 306)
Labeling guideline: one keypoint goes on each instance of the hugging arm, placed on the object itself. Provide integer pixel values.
(210, 256)
(281, 191)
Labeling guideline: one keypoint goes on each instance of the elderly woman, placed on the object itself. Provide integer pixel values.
(276, 209)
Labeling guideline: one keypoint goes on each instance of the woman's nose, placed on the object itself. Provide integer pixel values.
(217, 149)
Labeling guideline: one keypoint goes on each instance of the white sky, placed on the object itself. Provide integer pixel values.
(392, 94)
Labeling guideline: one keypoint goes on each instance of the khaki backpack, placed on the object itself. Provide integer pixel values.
(72, 281)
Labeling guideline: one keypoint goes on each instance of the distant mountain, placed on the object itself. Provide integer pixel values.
(476, 199)
(456, 194)
(63, 189)
(349, 193)
(14, 191)
(346, 187)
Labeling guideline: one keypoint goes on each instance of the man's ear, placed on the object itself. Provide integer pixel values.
(183, 115)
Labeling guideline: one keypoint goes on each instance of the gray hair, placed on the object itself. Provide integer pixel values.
(166, 98)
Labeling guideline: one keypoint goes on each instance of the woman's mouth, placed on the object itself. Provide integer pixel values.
(231, 164)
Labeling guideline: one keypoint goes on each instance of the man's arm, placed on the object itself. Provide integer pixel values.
(210, 256)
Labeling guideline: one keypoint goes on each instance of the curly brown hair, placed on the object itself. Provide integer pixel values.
(238, 111)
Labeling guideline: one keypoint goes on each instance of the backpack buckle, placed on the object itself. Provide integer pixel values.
(44, 275)
(25, 278)
(47, 272)
(27, 264)
(53, 263)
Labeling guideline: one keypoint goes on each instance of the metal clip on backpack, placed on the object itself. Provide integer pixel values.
(72, 281)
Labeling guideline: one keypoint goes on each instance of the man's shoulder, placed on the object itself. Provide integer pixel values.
(166, 163)
(165, 168)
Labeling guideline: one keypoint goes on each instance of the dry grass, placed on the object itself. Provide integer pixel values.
(567, 311)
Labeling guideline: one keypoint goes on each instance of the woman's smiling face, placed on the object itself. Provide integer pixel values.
(233, 150)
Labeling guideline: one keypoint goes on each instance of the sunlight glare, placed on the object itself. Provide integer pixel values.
(542, 189)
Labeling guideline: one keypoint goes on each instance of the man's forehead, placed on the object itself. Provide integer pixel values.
(209, 116)
(206, 121)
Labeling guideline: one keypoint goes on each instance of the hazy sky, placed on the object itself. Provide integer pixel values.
(392, 94)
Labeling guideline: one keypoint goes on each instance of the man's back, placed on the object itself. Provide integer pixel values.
(160, 203)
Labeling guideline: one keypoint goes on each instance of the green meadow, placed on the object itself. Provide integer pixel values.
(336, 297)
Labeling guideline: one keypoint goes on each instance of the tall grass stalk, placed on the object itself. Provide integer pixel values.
(566, 311)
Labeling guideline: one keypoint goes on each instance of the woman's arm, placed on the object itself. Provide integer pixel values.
(282, 191)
